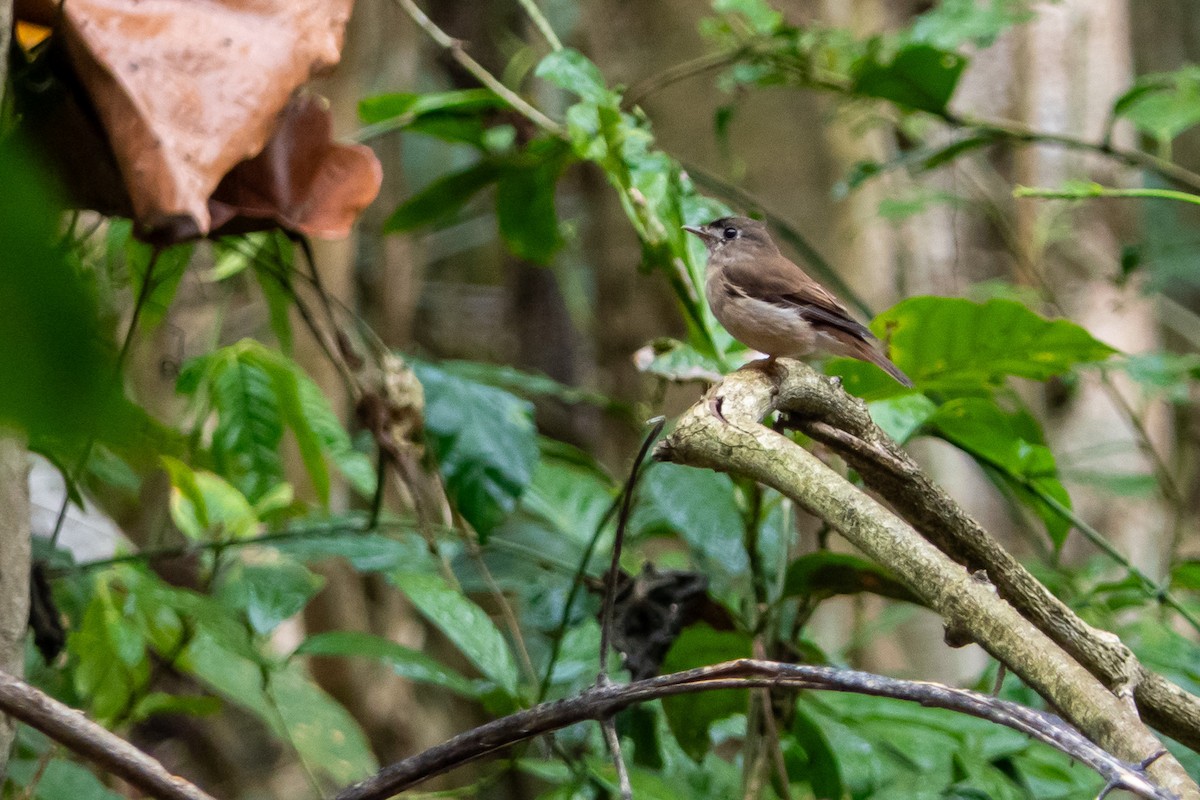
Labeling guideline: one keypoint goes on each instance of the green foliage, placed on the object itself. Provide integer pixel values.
(50, 320)
(543, 510)
(484, 441)
(1011, 449)
(954, 345)
(463, 623)
(1163, 105)
(255, 394)
(919, 76)
(691, 716)
(406, 662)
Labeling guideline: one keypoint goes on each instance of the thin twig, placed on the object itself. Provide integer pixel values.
(542, 24)
(80, 735)
(610, 588)
(73, 477)
(455, 49)
(601, 702)
(614, 748)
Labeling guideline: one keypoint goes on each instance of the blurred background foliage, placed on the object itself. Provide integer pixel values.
(266, 603)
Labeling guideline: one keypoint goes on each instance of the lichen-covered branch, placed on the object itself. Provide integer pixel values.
(80, 735)
(736, 442)
(826, 412)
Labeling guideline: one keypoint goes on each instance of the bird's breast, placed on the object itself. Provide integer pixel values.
(769, 328)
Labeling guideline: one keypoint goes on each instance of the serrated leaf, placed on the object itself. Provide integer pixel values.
(690, 716)
(463, 623)
(406, 662)
(443, 198)
(919, 76)
(485, 443)
(955, 345)
(267, 587)
(571, 70)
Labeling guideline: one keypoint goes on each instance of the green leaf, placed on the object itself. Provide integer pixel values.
(920, 77)
(463, 623)
(443, 198)
(204, 507)
(530, 385)
(902, 416)
(702, 508)
(762, 18)
(1011, 449)
(411, 107)
(1163, 105)
(485, 443)
(58, 362)
(955, 345)
(165, 268)
(109, 654)
(690, 716)
(952, 23)
(256, 394)
(825, 574)
(1167, 375)
(817, 760)
(525, 202)
(406, 662)
(163, 703)
(267, 587)
(273, 270)
(677, 361)
(366, 552)
(327, 738)
(571, 70)
(57, 778)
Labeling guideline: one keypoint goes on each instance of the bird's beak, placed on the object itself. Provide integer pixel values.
(701, 232)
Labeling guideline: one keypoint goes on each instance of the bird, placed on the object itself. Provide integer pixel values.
(769, 304)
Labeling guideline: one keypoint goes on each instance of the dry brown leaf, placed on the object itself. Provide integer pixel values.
(303, 180)
(188, 89)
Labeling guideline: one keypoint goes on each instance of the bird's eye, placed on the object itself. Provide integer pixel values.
(730, 233)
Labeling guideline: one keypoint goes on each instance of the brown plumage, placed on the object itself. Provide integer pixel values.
(766, 302)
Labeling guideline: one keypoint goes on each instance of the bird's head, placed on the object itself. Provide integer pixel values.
(735, 233)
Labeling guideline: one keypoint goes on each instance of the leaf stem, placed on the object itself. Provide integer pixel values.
(543, 24)
(1091, 190)
(455, 49)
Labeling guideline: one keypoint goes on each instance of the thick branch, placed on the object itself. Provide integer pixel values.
(602, 702)
(80, 735)
(968, 603)
(823, 410)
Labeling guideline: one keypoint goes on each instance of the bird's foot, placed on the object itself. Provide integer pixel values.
(714, 407)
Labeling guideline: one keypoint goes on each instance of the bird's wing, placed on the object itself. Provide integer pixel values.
(791, 288)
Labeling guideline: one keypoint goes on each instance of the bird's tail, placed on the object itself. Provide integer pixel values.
(872, 352)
